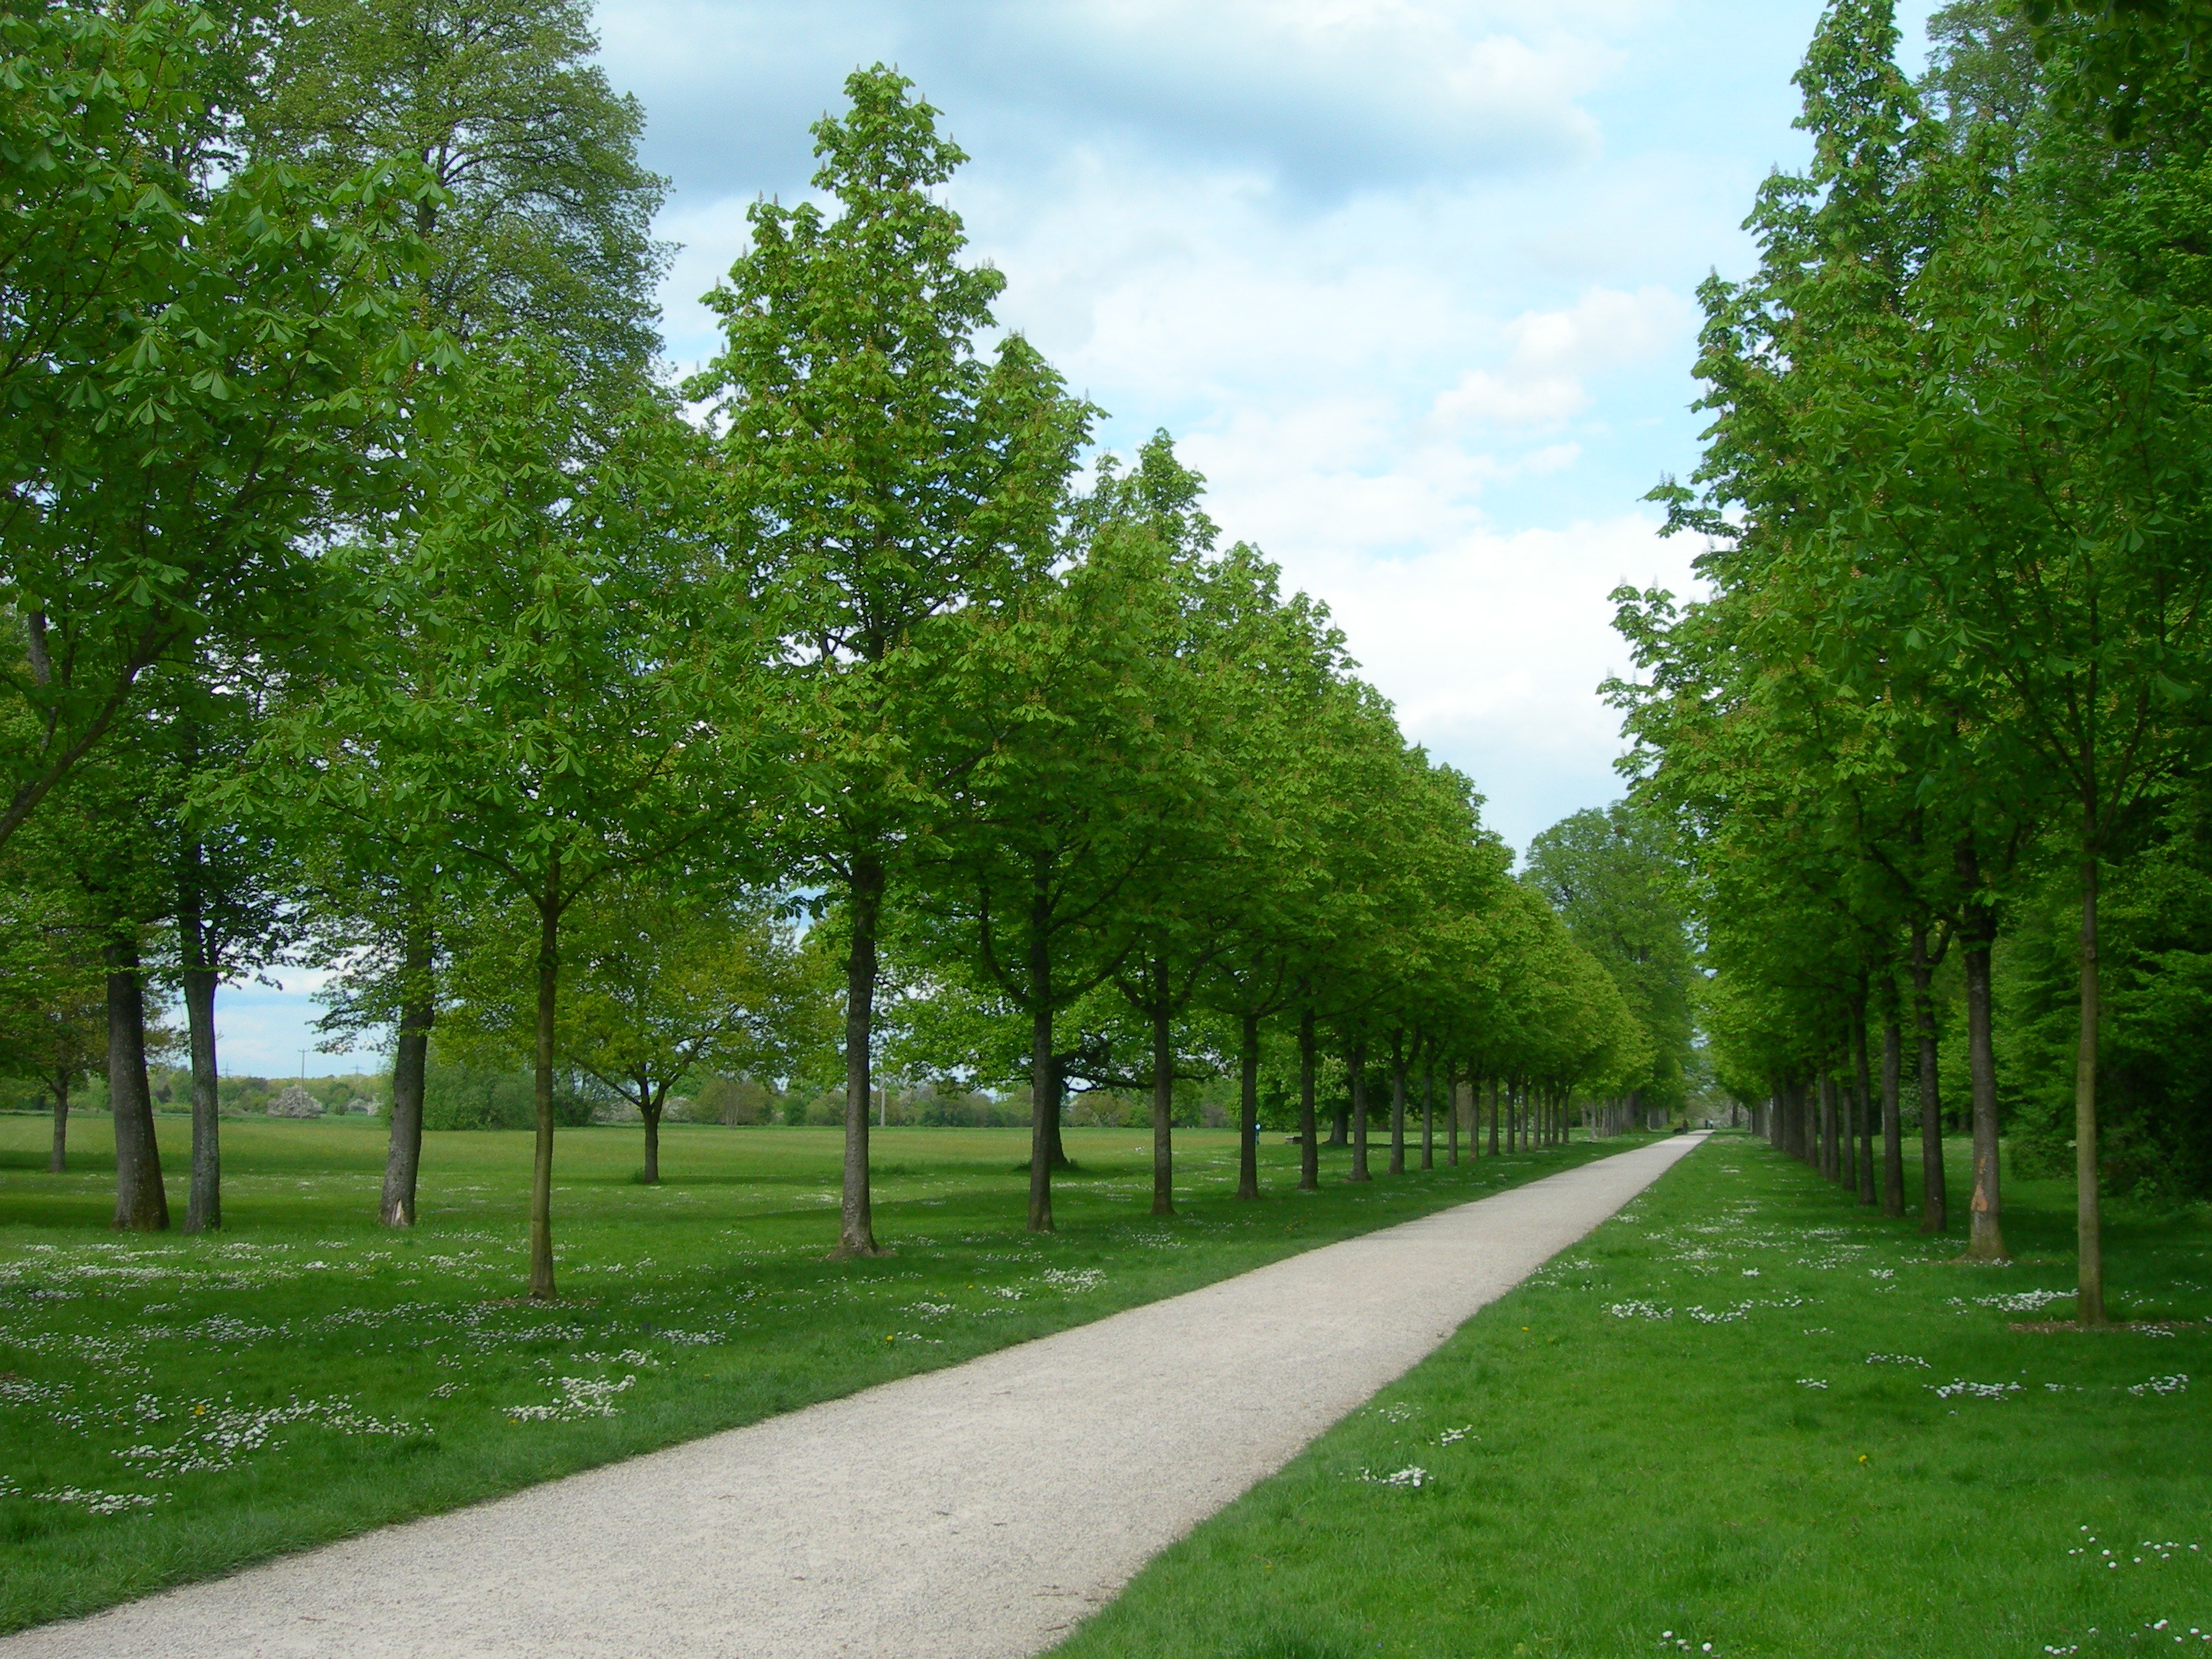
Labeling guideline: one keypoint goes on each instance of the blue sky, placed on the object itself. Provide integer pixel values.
(1412, 281)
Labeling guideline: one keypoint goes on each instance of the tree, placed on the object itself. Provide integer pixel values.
(203, 361)
(52, 1011)
(663, 979)
(540, 225)
(893, 477)
(537, 232)
(1611, 879)
(593, 704)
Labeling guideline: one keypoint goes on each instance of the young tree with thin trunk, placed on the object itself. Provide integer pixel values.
(893, 476)
(596, 699)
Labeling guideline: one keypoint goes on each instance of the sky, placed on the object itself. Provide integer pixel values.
(1413, 283)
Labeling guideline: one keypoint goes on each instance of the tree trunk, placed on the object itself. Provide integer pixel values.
(418, 1007)
(203, 1196)
(1247, 1110)
(1893, 1133)
(649, 1110)
(1830, 1166)
(1055, 1110)
(1935, 1206)
(1358, 1064)
(1340, 1123)
(1862, 1105)
(204, 1199)
(2089, 1223)
(1451, 1121)
(1163, 1099)
(1429, 1111)
(1398, 1102)
(1985, 1209)
(1493, 1117)
(141, 1203)
(856, 1234)
(541, 1166)
(1308, 1123)
(57, 1160)
(1042, 1064)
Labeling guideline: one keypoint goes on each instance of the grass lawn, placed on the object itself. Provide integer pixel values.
(1747, 1417)
(172, 1408)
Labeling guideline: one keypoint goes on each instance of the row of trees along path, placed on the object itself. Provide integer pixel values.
(377, 607)
(1956, 498)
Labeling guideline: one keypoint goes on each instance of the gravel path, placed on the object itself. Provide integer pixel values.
(973, 1512)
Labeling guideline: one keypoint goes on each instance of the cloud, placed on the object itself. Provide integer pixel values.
(1323, 97)
(1540, 383)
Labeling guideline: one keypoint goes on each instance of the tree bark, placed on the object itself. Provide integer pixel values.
(1829, 1166)
(1493, 1117)
(1985, 1209)
(1358, 1064)
(541, 1165)
(649, 1110)
(1429, 1111)
(1308, 1123)
(1935, 1203)
(1893, 1133)
(1163, 1099)
(1863, 1106)
(1451, 1121)
(141, 1205)
(418, 1007)
(1042, 1062)
(204, 1195)
(58, 1159)
(856, 1234)
(1398, 1102)
(1248, 1108)
(2088, 1222)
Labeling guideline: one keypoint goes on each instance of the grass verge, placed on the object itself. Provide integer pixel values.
(1746, 1417)
(175, 1407)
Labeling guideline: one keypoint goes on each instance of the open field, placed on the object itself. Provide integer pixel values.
(1745, 1417)
(172, 1406)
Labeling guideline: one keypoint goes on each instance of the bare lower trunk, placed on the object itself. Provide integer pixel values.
(541, 1165)
(1042, 1063)
(141, 1203)
(1829, 1165)
(1934, 1202)
(1397, 1102)
(1309, 1124)
(1451, 1117)
(403, 1157)
(2089, 1223)
(1163, 1109)
(1248, 1108)
(1357, 1060)
(1985, 1233)
(1493, 1117)
(204, 1199)
(1863, 1106)
(856, 1234)
(1055, 1112)
(57, 1160)
(1893, 1133)
(650, 1111)
(1429, 1113)
(204, 1193)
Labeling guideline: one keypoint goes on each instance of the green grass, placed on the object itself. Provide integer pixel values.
(305, 1374)
(1603, 1476)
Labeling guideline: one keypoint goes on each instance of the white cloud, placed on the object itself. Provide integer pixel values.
(1326, 96)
